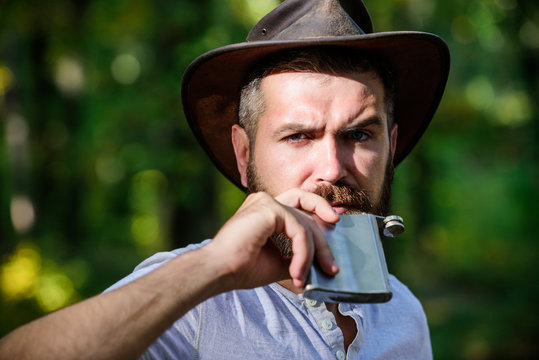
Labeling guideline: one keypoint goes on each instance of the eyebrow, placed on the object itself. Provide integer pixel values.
(371, 121)
(294, 127)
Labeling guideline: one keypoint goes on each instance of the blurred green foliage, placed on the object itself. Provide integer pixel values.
(98, 168)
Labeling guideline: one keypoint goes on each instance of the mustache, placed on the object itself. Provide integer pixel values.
(356, 200)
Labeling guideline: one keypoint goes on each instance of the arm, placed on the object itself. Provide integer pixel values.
(124, 322)
(121, 323)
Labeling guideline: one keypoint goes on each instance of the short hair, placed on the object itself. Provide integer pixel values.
(327, 60)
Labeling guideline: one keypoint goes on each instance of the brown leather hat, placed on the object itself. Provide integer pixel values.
(212, 82)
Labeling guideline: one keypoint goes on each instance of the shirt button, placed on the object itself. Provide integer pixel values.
(311, 302)
(326, 324)
(339, 355)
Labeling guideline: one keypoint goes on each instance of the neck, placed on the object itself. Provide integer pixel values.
(345, 323)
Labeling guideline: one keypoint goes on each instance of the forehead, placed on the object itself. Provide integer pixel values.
(333, 94)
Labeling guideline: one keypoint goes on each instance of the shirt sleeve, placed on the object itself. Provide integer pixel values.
(181, 339)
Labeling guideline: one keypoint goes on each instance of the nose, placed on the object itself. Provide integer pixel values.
(329, 166)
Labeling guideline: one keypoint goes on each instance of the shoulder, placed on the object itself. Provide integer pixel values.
(403, 308)
(153, 262)
(403, 297)
(399, 325)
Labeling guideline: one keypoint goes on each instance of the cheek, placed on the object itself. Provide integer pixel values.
(375, 156)
(279, 170)
(369, 167)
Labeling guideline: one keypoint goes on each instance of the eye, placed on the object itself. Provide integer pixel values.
(358, 135)
(296, 137)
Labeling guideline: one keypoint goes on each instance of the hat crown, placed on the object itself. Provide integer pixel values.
(311, 19)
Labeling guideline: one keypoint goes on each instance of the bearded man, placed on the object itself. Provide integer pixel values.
(328, 70)
(309, 116)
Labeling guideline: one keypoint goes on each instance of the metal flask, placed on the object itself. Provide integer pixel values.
(357, 249)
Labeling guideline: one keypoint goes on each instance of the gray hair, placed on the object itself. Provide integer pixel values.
(318, 60)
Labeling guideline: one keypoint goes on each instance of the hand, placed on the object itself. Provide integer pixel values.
(250, 259)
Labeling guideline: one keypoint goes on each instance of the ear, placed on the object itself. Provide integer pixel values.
(394, 135)
(240, 141)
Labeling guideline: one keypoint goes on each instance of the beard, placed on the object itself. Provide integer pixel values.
(356, 200)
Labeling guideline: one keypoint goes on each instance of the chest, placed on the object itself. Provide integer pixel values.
(305, 330)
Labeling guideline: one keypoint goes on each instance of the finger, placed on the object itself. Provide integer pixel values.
(304, 200)
(323, 253)
(303, 252)
(322, 250)
(299, 228)
(308, 242)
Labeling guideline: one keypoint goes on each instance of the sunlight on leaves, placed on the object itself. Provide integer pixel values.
(125, 69)
(20, 273)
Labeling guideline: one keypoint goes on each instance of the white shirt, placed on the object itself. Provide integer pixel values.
(271, 322)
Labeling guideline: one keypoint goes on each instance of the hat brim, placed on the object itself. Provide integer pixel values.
(212, 83)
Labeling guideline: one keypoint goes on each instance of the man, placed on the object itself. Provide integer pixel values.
(317, 112)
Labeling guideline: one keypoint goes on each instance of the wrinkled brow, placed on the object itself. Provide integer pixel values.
(361, 124)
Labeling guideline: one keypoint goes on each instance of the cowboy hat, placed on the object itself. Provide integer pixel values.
(212, 82)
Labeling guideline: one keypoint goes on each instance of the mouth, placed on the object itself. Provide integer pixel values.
(340, 208)
(345, 209)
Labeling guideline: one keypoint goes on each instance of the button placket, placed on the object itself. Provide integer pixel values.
(327, 326)
(356, 312)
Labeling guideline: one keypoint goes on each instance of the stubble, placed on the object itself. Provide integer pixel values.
(355, 200)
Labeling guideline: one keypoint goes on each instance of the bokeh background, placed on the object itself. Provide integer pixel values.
(98, 168)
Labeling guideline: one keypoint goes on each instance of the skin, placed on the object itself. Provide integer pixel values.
(121, 324)
(319, 129)
(124, 322)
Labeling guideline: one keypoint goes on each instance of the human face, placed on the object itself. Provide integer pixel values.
(318, 131)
